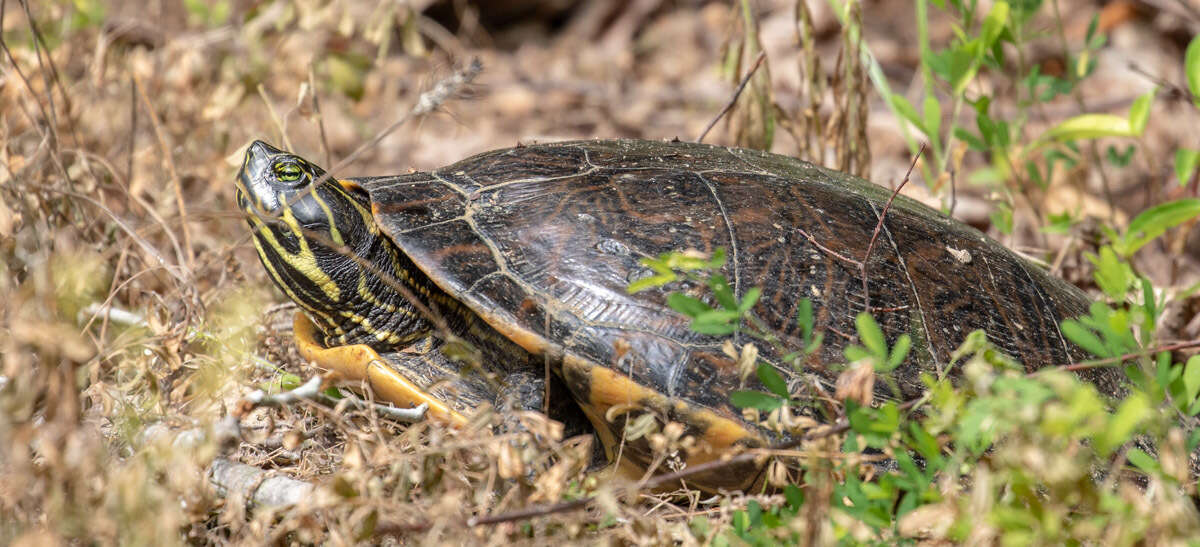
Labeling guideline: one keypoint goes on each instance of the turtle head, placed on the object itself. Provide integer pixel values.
(277, 185)
(320, 244)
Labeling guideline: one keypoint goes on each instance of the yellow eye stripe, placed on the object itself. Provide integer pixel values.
(334, 233)
(262, 231)
(305, 261)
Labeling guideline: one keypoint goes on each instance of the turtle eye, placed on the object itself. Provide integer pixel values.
(288, 171)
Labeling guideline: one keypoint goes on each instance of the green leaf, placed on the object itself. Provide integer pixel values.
(906, 110)
(91, 13)
(899, 351)
(933, 116)
(1132, 411)
(715, 322)
(871, 335)
(687, 305)
(1002, 218)
(755, 399)
(1185, 164)
(756, 512)
(749, 299)
(1153, 222)
(804, 318)
(771, 379)
(815, 344)
(347, 74)
(651, 282)
(1090, 126)
(284, 382)
(1139, 112)
(794, 496)
(1060, 223)
(972, 141)
(1191, 68)
(1119, 159)
(1148, 305)
(1084, 338)
(1191, 377)
(1112, 275)
(718, 259)
(994, 24)
(1142, 460)
(724, 293)
(962, 64)
(855, 353)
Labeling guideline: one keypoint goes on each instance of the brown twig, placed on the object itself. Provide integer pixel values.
(256, 486)
(186, 259)
(1095, 363)
(733, 100)
(312, 86)
(829, 251)
(879, 225)
(279, 122)
(133, 123)
(953, 191)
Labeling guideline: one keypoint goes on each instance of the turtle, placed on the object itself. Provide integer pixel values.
(522, 258)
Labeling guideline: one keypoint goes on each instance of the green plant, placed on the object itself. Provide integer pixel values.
(1032, 446)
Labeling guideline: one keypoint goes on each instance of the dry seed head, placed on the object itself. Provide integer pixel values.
(673, 431)
(1173, 456)
(658, 443)
(728, 349)
(509, 462)
(777, 474)
(747, 361)
(542, 426)
(856, 383)
(774, 420)
(619, 409)
(291, 440)
(641, 426)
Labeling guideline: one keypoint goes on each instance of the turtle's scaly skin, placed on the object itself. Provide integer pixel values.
(537, 244)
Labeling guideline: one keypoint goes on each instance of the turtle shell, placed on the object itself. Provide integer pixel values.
(542, 242)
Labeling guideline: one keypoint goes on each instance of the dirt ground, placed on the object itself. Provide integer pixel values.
(124, 123)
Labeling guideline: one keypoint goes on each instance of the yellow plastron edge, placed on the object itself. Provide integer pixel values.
(719, 438)
(360, 363)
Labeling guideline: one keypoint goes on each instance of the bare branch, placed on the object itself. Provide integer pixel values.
(311, 391)
(733, 100)
(256, 486)
(878, 226)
